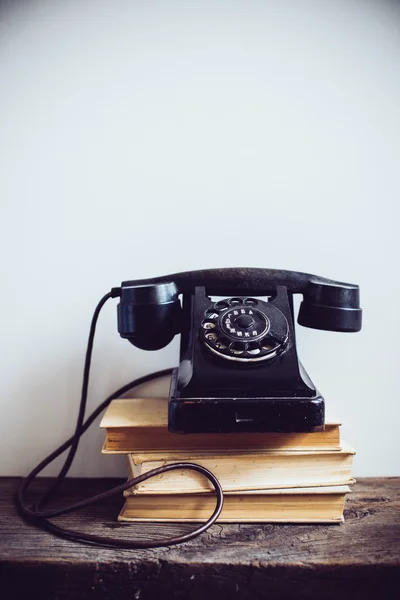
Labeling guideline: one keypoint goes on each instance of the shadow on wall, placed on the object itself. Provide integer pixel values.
(50, 390)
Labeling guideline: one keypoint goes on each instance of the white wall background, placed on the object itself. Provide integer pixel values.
(136, 135)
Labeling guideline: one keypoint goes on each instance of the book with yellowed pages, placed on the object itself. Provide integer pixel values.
(298, 505)
(141, 425)
(241, 471)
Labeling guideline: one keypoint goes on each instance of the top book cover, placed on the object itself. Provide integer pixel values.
(141, 424)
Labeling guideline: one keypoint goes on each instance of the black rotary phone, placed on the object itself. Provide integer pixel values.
(239, 370)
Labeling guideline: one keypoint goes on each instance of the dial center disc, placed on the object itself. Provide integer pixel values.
(244, 321)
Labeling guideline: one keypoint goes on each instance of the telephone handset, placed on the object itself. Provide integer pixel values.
(238, 370)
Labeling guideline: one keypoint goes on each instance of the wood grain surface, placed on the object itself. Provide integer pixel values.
(360, 558)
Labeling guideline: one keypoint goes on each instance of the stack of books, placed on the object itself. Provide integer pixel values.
(266, 477)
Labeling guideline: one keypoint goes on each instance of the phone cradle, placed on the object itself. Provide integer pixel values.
(239, 370)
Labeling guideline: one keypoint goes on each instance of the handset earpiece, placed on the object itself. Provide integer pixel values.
(331, 306)
(149, 315)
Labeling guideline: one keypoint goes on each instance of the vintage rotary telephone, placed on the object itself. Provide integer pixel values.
(238, 370)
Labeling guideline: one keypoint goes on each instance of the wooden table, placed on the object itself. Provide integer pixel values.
(359, 559)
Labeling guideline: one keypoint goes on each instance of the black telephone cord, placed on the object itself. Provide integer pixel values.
(37, 514)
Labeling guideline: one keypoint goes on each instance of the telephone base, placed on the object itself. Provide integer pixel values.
(256, 415)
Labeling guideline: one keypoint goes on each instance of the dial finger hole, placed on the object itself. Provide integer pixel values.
(208, 325)
(212, 314)
(268, 345)
(236, 348)
(211, 336)
(235, 301)
(253, 349)
(221, 305)
(221, 343)
(251, 302)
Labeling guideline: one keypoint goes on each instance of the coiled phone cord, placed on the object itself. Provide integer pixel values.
(36, 512)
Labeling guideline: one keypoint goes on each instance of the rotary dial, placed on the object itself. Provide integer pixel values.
(244, 329)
